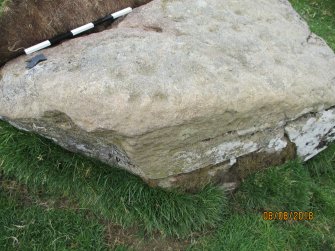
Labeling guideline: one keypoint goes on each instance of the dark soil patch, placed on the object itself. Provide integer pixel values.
(253, 162)
(130, 237)
(12, 187)
(24, 23)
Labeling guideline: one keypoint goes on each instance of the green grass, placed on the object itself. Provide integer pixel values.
(290, 187)
(282, 188)
(32, 227)
(320, 15)
(110, 193)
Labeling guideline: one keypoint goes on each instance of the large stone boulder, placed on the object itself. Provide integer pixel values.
(183, 92)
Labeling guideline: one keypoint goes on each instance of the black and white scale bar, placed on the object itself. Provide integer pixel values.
(77, 31)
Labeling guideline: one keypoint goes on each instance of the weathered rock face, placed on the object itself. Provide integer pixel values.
(183, 92)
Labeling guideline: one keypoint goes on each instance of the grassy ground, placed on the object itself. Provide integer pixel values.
(291, 187)
(80, 203)
(51, 199)
(29, 225)
(320, 15)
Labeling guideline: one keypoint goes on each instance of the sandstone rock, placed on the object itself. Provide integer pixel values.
(183, 92)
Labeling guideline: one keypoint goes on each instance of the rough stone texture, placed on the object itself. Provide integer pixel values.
(183, 92)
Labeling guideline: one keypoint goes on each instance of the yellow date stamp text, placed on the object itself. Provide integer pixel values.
(288, 215)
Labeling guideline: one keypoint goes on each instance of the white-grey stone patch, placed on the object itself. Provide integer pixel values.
(308, 133)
